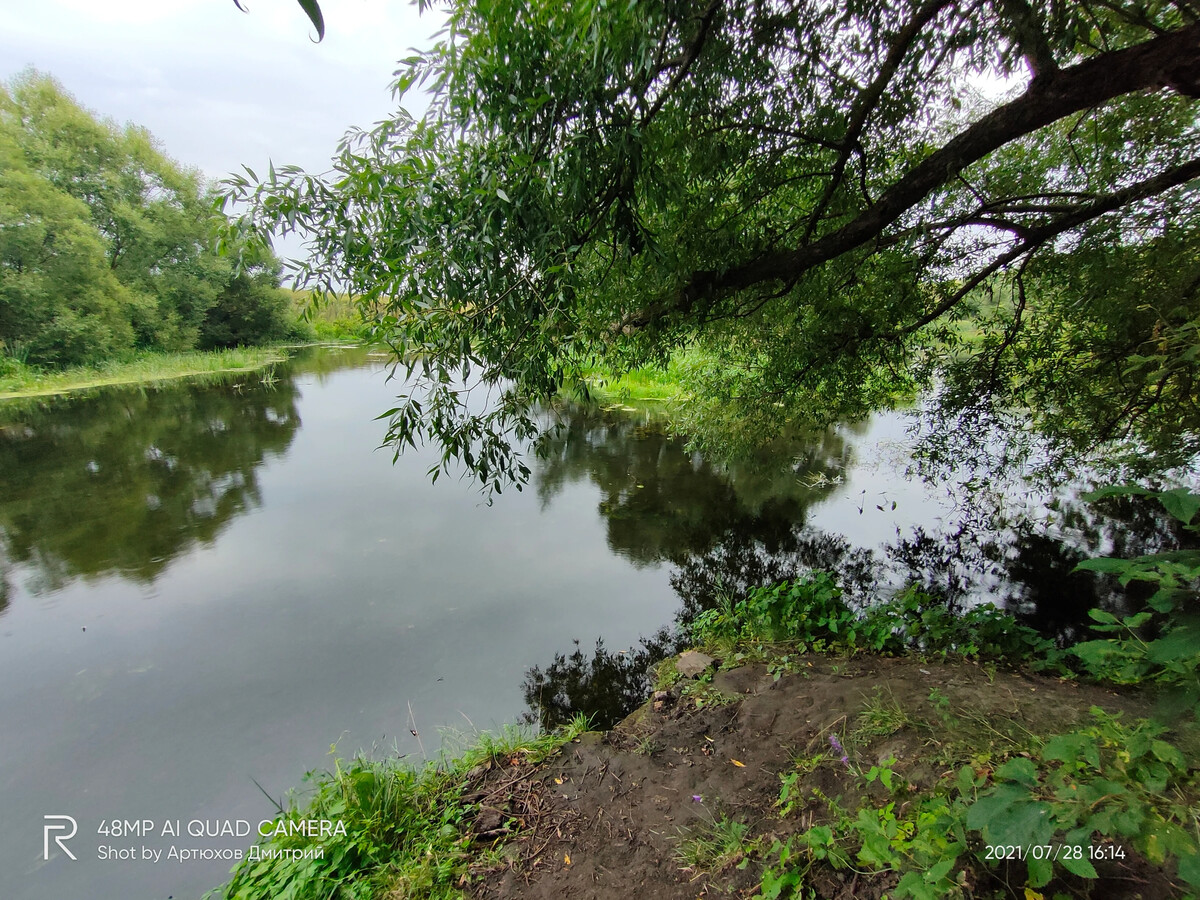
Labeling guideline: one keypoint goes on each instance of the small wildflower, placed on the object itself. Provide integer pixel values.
(838, 748)
(696, 798)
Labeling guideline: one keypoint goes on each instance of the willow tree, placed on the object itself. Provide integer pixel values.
(819, 196)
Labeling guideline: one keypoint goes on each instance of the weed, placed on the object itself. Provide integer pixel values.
(701, 692)
(1106, 784)
(716, 846)
(647, 746)
(881, 715)
(810, 615)
(664, 675)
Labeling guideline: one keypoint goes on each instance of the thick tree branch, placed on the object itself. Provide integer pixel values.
(1037, 236)
(1172, 60)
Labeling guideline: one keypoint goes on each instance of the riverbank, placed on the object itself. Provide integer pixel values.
(808, 775)
(645, 385)
(838, 778)
(18, 381)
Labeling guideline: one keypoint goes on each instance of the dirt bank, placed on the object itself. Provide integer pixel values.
(682, 802)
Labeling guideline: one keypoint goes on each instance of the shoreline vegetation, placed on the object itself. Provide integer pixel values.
(805, 750)
(648, 384)
(335, 321)
(151, 367)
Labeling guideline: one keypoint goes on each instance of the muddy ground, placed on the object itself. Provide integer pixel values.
(617, 815)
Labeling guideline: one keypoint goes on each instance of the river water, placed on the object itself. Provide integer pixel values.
(206, 587)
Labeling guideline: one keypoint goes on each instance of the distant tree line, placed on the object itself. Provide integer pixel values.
(107, 244)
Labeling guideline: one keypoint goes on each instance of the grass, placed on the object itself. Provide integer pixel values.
(881, 715)
(715, 847)
(17, 380)
(336, 318)
(649, 384)
(406, 829)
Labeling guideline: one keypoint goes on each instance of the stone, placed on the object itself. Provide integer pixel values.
(693, 664)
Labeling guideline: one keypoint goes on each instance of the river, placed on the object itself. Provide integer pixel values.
(206, 587)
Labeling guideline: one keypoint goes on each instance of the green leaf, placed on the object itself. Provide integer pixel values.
(503, 196)
(1189, 869)
(1018, 769)
(313, 10)
(1180, 503)
(1082, 866)
(1167, 753)
(1040, 872)
(1009, 816)
(939, 870)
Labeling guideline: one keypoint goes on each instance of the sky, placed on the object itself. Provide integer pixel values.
(220, 88)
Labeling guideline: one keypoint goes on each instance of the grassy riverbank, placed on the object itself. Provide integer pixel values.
(812, 752)
(645, 385)
(17, 380)
(408, 832)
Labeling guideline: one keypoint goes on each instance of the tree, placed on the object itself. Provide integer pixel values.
(815, 195)
(107, 244)
(59, 301)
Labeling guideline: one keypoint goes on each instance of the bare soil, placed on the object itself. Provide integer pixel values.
(612, 815)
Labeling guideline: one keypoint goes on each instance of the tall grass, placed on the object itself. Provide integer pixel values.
(335, 318)
(406, 829)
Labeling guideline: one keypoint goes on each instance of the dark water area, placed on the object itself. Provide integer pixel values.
(203, 587)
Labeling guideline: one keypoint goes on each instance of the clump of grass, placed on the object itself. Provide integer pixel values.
(881, 715)
(664, 674)
(404, 828)
(716, 846)
(647, 746)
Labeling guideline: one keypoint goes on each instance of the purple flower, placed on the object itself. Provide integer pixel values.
(696, 798)
(837, 746)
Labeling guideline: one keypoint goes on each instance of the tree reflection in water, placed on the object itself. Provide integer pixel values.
(723, 530)
(127, 480)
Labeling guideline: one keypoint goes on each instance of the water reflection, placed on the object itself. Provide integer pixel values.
(661, 503)
(724, 530)
(605, 685)
(127, 480)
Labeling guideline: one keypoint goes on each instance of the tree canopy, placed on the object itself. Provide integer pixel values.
(107, 245)
(819, 197)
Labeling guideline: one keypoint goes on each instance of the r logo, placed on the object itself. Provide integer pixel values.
(62, 823)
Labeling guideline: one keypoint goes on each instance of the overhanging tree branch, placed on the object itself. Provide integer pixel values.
(1172, 61)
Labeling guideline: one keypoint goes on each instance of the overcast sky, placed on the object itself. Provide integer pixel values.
(216, 86)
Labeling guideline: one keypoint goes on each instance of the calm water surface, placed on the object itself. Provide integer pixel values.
(205, 587)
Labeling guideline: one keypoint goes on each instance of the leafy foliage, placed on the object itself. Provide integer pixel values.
(814, 197)
(811, 614)
(405, 829)
(106, 244)
(1160, 644)
(1107, 780)
(1054, 806)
